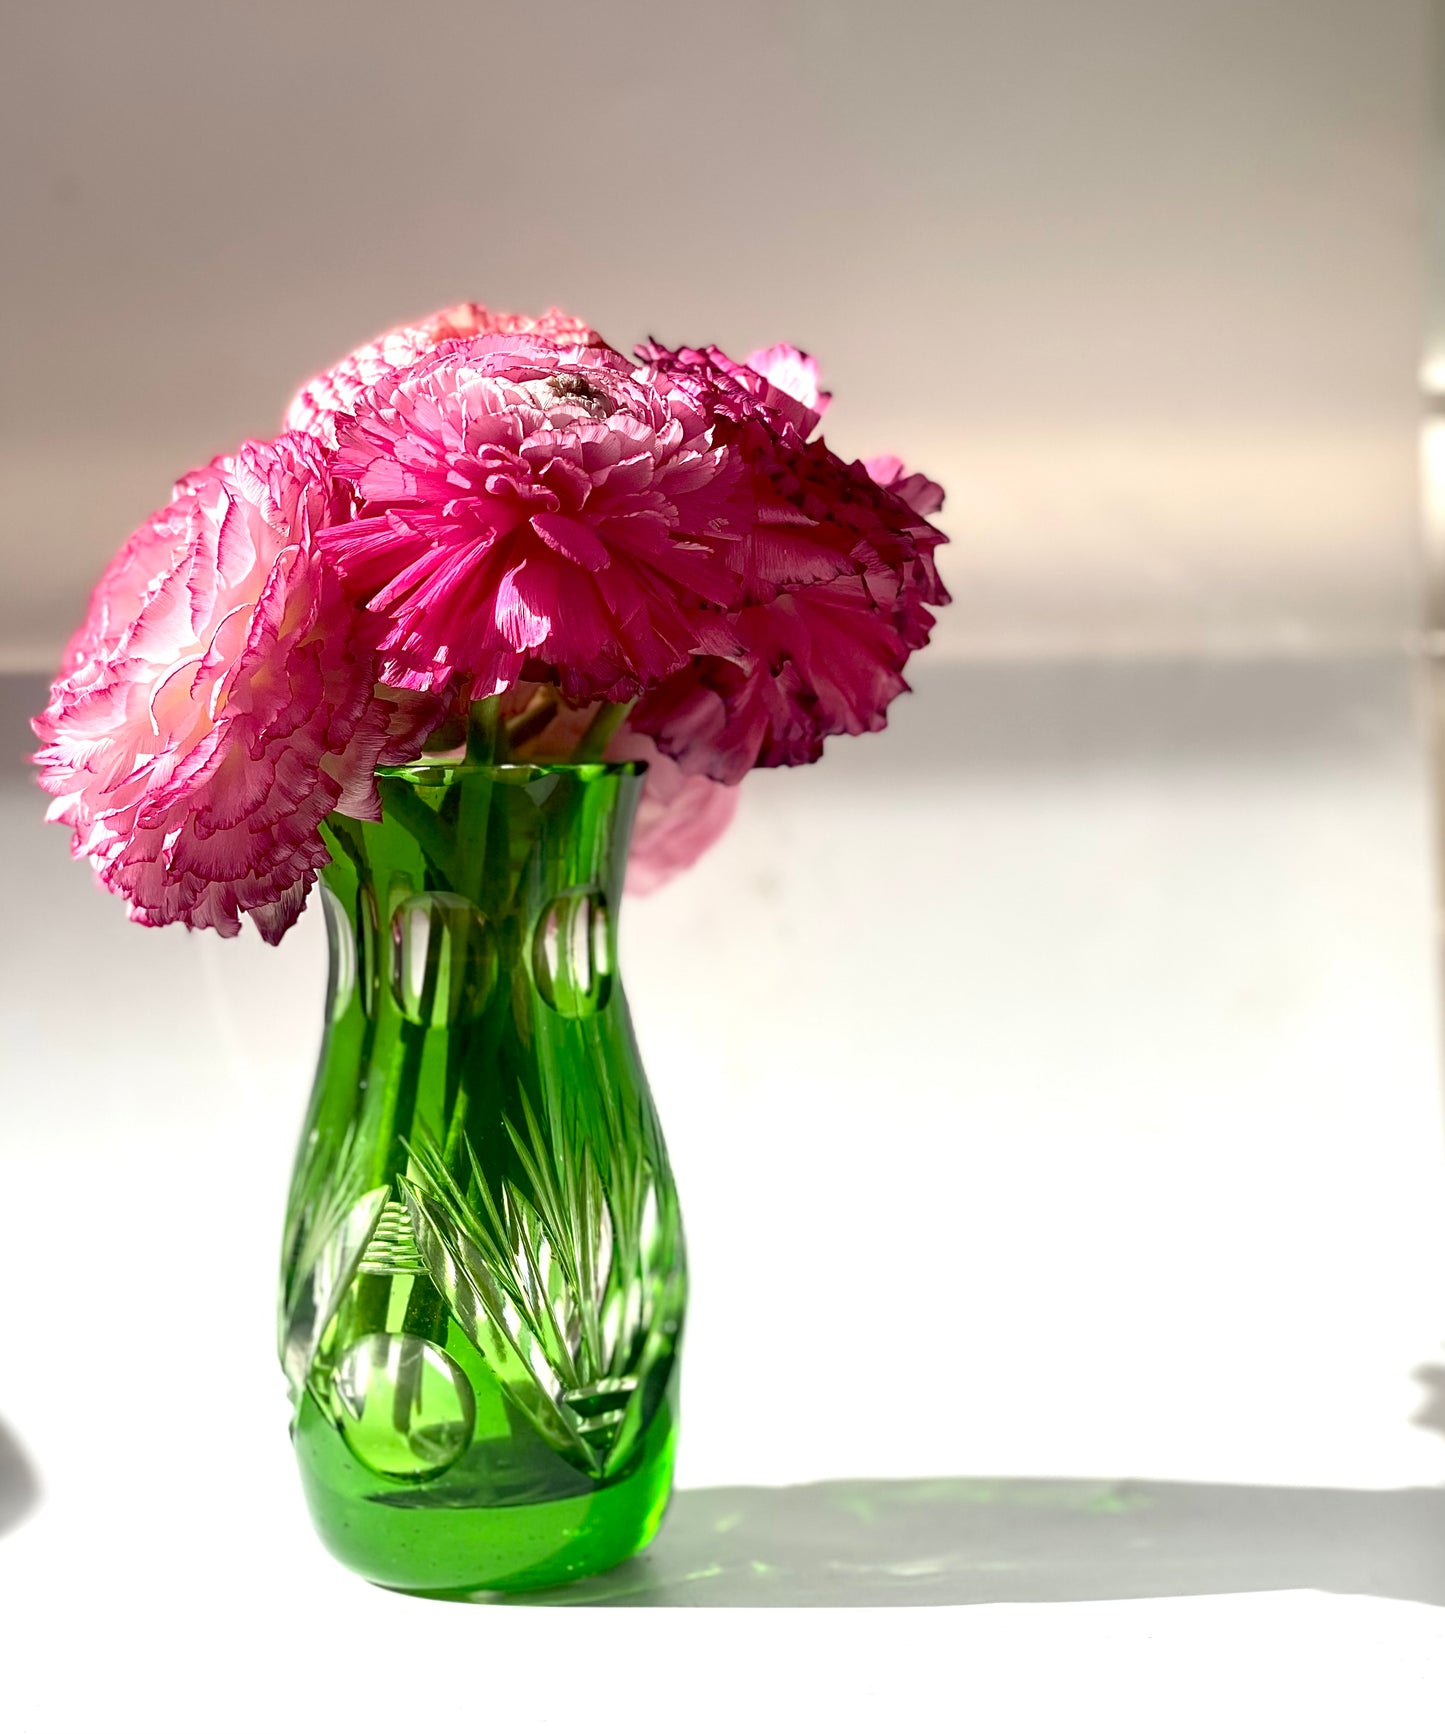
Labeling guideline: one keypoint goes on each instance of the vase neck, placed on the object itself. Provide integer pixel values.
(501, 835)
(479, 878)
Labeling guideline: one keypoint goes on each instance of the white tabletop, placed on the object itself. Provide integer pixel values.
(1052, 1088)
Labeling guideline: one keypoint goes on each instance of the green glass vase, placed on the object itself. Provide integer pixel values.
(482, 1279)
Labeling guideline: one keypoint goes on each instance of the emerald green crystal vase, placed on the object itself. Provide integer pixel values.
(482, 1279)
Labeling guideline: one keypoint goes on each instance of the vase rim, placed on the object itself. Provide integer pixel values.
(436, 772)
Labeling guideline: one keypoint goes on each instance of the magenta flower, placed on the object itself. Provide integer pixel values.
(528, 510)
(483, 505)
(776, 388)
(315, 407)
(916, 492)
(218, 702)
(820, 660)
(811, 516)
(837, 570)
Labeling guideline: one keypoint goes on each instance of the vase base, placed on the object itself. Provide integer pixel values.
(445, 1551)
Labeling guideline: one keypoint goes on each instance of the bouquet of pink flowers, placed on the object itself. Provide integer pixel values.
(483, 532)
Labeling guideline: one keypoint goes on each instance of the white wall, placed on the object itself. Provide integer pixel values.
(1141, 280)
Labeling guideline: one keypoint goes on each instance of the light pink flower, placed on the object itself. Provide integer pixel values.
(218, 703)
(791, 371)
(532, 511)
(316, 405)
(679, 817)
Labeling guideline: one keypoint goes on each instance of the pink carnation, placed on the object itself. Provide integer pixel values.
(535, 511)
(315, 407)
(216, 706)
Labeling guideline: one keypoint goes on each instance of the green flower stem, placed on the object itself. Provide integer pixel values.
(486, 733)
(600, 731)
(472, 805)
(537, 716)
(433, 837)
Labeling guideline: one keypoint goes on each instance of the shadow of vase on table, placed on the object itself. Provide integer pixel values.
(955, 1541)
(19, 1484)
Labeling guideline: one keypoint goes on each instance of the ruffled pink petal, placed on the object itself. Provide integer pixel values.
(524, 501)
(916, 491)
(337, 391)
(220, 701)
(822, 660)
(792, 371)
